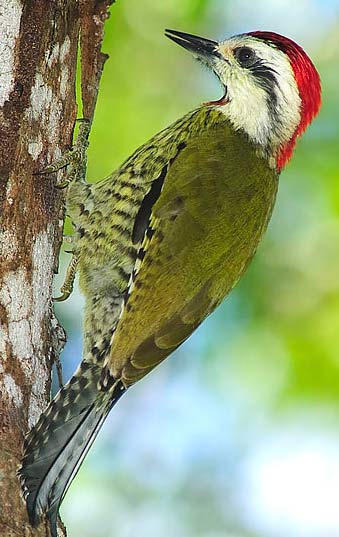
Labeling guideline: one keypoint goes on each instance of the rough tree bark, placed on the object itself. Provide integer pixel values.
(38, 52)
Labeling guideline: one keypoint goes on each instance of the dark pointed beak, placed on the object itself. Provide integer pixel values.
(204, 48)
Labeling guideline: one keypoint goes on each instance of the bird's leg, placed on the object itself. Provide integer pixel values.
(76, 176)
(76, 159)
(67, 286)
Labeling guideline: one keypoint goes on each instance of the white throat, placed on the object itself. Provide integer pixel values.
(269, 119)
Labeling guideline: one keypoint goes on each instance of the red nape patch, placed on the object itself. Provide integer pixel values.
(308, 82)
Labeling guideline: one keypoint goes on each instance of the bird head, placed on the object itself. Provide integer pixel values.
(271, 87)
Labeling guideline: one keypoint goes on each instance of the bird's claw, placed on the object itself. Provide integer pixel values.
(76, 157)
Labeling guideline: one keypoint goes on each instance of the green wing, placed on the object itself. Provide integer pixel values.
(109, 216)
(111, 219)
(204, 229)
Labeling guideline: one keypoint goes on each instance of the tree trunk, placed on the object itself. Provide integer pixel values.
(38, 51)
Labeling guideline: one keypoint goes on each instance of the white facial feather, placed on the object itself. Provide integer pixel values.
(248, 107)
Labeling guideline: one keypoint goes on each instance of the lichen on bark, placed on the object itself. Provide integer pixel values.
(38, 50)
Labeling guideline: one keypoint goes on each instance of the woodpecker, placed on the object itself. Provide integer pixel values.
(164, 239)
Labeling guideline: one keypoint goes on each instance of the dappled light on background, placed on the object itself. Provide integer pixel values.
(236, 435)
(289, 483)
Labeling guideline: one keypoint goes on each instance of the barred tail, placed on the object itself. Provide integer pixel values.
(58, 443)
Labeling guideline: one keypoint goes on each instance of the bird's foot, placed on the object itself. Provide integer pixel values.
(67, 287)
(76, 158)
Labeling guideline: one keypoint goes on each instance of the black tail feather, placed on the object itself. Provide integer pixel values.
(58, 443)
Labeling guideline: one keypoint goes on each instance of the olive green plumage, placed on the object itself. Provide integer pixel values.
(207, 224)
(158, 245)
(205, 227)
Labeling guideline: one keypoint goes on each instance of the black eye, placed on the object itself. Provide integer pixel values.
(245, 56)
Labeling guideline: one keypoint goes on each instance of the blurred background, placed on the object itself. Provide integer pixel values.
(237, 435)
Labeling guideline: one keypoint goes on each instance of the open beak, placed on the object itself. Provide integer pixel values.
(199, 46)
(206, 51)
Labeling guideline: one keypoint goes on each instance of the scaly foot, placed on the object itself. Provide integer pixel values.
(76, 159)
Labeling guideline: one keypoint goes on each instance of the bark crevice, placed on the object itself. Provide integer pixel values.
(37, 113)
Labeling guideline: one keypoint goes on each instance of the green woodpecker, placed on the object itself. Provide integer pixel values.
(164, 239)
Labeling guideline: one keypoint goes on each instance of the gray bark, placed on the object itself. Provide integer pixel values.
(38, 51)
